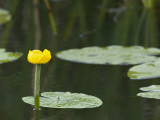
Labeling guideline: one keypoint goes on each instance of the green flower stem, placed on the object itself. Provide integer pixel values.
(37, 86)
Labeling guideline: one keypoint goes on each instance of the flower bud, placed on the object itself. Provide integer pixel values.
(39, 57)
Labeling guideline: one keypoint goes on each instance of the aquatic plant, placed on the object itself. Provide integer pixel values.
(65, 100)
(37, 57)
(113, 55)
(152, 91)
(55, 99)
(51, 17)
(147, 28)
(8, 56)
(145, 71)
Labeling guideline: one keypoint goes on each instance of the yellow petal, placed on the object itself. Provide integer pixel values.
(34, 56)
(37, 52)
(46, 57)
(30, 51)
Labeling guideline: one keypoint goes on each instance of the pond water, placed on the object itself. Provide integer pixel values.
(79, 24)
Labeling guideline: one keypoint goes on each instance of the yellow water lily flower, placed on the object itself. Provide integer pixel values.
(39, 57)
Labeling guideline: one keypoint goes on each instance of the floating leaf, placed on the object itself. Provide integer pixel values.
(145, 71)
(8, 56)
(65, 100)
(4, 16)
(115, 55)
(152, 88)
(155, 95)
(153, 92)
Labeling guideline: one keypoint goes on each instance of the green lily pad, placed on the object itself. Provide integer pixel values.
(65, 100)
(8, 56)
(155, 95)
(4, 16)
(153, 91)
(152, 88)
(145, 71)
(114, 55)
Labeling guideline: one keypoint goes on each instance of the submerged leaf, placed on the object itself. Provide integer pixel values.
(4, 16)
(145, 71)
(115, 55)
(65, 100)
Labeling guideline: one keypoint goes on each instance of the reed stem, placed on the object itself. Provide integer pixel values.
(148, 3)
(52, 20)
(37, 25)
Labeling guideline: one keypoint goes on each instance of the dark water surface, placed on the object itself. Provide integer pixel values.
(79, 24)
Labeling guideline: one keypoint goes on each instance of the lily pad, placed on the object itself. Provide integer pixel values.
(155, 95)
(4, 16)
(8, 56)
(114, 55)
(153, 91)
(152, 88)
(65, 100)
(145, 71)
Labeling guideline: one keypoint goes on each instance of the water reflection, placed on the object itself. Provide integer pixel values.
(36, 114)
